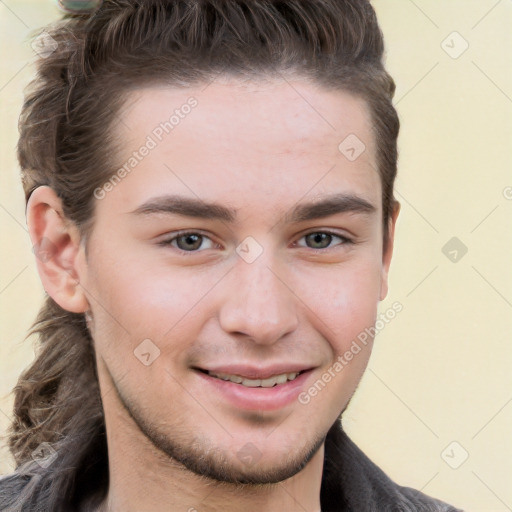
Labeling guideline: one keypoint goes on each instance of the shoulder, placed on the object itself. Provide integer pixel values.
(17, 490)
(13, 488)
(362, 485)
(411, 498)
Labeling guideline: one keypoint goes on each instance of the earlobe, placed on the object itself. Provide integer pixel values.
(56, 245)
(388, 253)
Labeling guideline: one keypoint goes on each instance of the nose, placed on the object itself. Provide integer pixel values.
(258, 303)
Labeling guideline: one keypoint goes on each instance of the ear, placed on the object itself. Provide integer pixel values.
(56, 244)
(388, 252)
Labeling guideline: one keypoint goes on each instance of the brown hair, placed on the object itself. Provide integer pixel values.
(66, 143)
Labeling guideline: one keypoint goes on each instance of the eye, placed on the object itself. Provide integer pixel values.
(189, 242)
(323, 240)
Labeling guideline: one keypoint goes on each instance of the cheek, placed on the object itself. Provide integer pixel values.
(135, 301)
(342, 302)
(343, 311)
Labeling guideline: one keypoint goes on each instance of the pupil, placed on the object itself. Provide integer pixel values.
(319, 240)
(189, 242)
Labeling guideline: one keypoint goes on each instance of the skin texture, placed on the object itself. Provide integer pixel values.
(259, 149)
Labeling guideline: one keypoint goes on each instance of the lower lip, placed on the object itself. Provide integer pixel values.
(261, 399)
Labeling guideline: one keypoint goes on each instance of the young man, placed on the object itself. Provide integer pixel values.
(210, 199)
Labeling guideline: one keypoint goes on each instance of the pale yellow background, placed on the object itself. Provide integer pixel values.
(441, 370)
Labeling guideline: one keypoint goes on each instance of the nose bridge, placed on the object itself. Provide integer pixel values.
(258, 302)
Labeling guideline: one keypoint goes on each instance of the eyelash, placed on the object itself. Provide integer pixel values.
(344, 240)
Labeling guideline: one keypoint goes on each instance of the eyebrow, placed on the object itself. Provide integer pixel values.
(189, 207)
(317, 209)
(330, 205)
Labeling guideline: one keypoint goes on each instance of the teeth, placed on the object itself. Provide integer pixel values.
(250, 383)
(268, 383)
(281, 379)
(256, 383)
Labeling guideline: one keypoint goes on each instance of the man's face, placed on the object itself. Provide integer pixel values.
(260, 287)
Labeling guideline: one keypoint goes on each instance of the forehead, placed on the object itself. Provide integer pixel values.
(248, 140)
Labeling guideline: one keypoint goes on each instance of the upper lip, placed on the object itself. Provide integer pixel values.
(254, 372)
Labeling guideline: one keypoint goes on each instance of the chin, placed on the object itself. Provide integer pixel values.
(247, 466)
(222, 462)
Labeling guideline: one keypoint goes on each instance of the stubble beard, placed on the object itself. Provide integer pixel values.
(197, 454)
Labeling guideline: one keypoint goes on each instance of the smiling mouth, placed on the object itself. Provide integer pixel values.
(270, 382)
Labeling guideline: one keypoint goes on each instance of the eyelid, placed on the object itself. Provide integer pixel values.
(345, 239)
(168, 238)
(171, 236)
